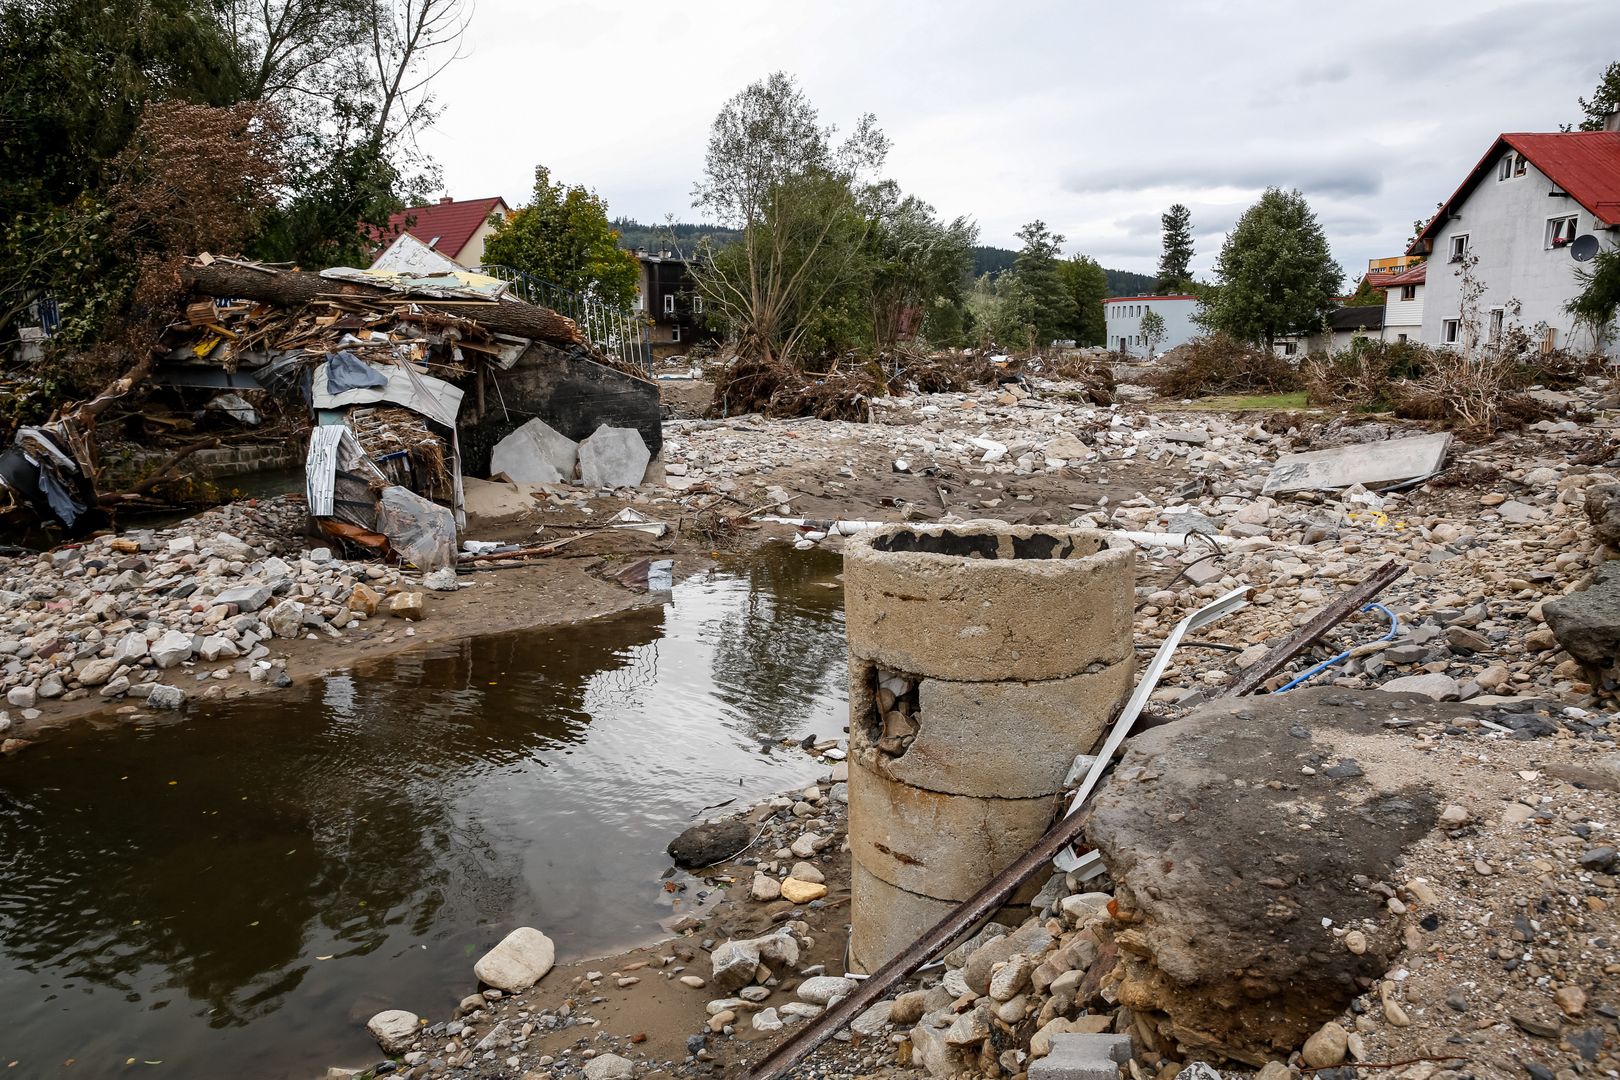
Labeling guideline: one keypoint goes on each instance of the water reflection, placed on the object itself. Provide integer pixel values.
(245, 885)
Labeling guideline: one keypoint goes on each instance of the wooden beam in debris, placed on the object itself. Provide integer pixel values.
(1345, 605)
(294, 288)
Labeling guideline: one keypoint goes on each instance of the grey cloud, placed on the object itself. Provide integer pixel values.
(1234, 168)
(1335, 72)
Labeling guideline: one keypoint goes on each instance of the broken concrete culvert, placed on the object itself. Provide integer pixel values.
(955, 630)
(1249, 844)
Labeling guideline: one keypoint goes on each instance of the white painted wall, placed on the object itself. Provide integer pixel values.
(1403, 316)
(472, 253)
(1506, 224)
(1123, 318)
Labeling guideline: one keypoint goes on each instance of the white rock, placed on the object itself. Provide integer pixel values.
(613, 458)
(172, 648)
(394, 1030)
(609, 1067)
(521, 959)
(767, 1020)
(825, 989)
(1438, 687)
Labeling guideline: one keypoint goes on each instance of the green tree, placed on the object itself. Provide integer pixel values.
(1175, 260)
(1153, 331)
(803, 206)
(563, 236)
(918, 264)
(1597, 305)
(1086, 282)
(1605, 99)
(1275, 274)
(1365, 295)
(1049, 309)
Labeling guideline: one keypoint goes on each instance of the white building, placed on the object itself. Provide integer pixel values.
(1122, 315)
(1403, 304)
(1532, 202)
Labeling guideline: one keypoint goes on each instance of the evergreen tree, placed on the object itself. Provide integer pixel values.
(1050, 309)
(1087, 285)
(1176, 258)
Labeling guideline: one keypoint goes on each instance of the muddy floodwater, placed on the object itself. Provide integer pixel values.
(234, 892)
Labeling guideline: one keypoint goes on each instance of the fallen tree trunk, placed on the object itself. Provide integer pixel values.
(293, 288)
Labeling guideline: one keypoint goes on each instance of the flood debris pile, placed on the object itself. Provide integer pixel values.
(161, 617)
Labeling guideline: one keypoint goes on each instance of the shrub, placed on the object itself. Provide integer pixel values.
(1219, 364)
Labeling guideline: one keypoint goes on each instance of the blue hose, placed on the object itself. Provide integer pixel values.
(1312, 672)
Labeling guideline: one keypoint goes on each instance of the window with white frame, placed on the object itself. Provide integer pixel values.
(674, 333)
(1459, 247)
(1290, 348)
(1520, 165)
(669, 303)
(1498, 317)
(1561, 230)
(1504, 168)
(697, 305)
(1408, 292)
(1451, 331)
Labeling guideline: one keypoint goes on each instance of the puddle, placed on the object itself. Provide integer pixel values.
(235, 892)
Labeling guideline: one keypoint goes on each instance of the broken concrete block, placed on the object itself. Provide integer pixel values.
(172, 648)
(245, 597)
(1373, 465)
(535, 453)
(1438, 687)
(613, 458)
(1083, 1057)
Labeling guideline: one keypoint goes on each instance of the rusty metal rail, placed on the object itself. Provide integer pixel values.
(1343, 606)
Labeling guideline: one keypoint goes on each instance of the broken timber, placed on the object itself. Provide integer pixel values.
(293, 288)
(1346, 604)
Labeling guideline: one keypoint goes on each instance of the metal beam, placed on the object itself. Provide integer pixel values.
(1343, 606)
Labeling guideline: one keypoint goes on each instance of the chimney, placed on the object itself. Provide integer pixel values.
(445, 199)
(1612, 121)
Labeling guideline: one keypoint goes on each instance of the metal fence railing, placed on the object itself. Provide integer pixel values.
(614, 330)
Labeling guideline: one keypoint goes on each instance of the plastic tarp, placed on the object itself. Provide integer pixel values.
(417, 529)
(346, 371)
(452, 284)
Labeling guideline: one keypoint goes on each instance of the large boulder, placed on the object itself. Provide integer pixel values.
(709, 843)
(521, 959)
(536, 453)
(1587, 623)
(1226, 906)
(394, 1030)
(1603, 510)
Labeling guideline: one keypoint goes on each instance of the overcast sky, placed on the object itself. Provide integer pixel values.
(1091, 116)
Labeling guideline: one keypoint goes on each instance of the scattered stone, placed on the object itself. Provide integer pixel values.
(709, 843)
(394, 1030)
(520, 960)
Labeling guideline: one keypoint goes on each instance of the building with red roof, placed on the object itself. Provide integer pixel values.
(1523, 220)
(454, 228)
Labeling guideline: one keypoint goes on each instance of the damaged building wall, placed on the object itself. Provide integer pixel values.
(571, 393)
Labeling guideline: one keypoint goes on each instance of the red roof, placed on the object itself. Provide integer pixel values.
(1168, 296)
(1413, 275)
(1585, 164)
(445, 226)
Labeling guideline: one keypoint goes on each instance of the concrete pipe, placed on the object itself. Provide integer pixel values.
(983, 658)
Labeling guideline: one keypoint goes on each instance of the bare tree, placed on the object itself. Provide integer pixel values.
(412, 42)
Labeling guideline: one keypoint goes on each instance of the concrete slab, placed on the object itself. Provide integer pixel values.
(1373, 465)
(1083, 1057)
(613, 458)
(535, 453)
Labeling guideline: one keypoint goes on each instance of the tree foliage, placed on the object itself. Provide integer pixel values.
(1048, 309)
(1086, 284)
(1153, 331)
(1175, 259)
(918, 266)
(1597, 305)
(1605, 99)
(1364, 294)
(1275, 274)
(804, 205)
(563, 236)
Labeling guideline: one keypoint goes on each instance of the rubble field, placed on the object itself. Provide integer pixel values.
(1430, 891)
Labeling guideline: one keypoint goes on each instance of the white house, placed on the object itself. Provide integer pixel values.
(1532, 202)
(1403, 304)
(1122, 315)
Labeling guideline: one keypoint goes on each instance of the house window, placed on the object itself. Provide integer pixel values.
(1520, 165)
(1497, 316)
(1451, 331)
(1290, 347)
(1561, 230)
(1459, 247)
(669, 303)
(697, 305)
(674, 333)
(1408, 292)
(1401, 338)
(1504, 168)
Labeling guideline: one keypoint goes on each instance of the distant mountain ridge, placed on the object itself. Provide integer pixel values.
(993, 260)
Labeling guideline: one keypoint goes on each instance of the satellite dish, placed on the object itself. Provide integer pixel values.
(1583, 248)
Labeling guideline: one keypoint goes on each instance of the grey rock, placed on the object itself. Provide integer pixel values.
(1603, 510)
(1587, 623)
(733, 964)
(1438, 687)
(172, 648)
(709, 843)
(162, 696)
(23, 697)
(521, 959)
(246, 597)
(825, 989)
(285, 619)
(394, 1030)
(442, 580)
(609, 1067)
(98, 671)
(129, 650)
